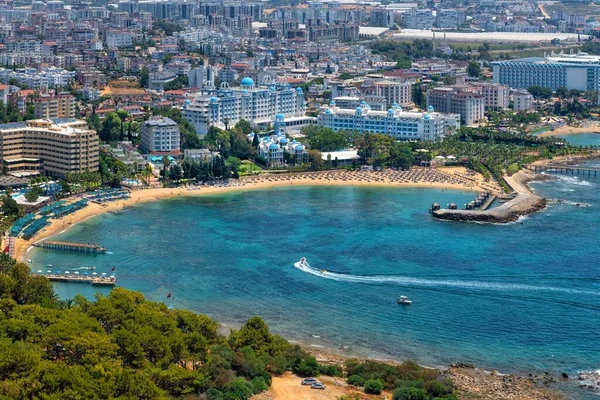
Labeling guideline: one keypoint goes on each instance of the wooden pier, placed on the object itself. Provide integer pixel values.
(561, 169)
(94, 280)
(73, 247)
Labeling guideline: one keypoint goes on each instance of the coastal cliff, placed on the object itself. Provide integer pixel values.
(523, 203)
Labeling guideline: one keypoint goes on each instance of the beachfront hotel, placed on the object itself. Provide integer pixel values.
(272, 148)
(160, 135)
(255, 104)
(572, 71)
(401, 124)
(53, 147)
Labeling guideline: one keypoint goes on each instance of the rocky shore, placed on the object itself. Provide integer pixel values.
(524, 202)
(473, 383)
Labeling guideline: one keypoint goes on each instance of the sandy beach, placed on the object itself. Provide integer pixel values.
(571, 130)
(456, 178)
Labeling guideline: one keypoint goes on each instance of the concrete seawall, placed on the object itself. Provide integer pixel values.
(524, 203)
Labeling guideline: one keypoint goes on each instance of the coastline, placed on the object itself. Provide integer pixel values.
(325, 178)
(570, 130)
(470, 381)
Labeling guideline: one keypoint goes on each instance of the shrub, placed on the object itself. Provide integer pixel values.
(439, 389)
(356, 380)
(330, 370)
(373, 386)
(239, 389)
(307, 366)
(409, 393)
(259, 385)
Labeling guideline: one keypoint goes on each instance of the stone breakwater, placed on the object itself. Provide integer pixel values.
(523, 203)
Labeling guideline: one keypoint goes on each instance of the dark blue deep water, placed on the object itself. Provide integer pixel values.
(518, 298)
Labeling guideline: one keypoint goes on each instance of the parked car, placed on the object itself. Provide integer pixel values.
(309, 381)
(317, 385)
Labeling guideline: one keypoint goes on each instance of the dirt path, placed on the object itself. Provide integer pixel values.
(288, 387)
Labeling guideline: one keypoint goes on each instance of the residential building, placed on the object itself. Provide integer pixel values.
(522, 100)
(401, 124)
(419, 19)
(51, 106)
(382, 17)
(256, 104)
(160, 135)
(116, 38)
(572, 71)
(495, 95)
(470, 105)
(377, 103)
(44, 146)
(395, 92)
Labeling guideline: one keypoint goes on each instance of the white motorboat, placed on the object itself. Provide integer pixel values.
(404, 300)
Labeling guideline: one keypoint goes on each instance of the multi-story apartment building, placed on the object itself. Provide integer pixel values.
(51, 107)
(395, 92)
(495, 96)
(469, 104)
(48, 147)
(160, 135)
(572, 71)
(428, 125)
(382, 17)
(117, 38)
(522, 100)
(255, 104)
(419, 19)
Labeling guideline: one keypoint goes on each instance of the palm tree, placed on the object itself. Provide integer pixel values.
(166, 165)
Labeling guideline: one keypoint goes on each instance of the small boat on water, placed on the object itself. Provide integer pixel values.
(49, 266)
(91, 267)
(404, 300)
(29, 261)
(323, 271)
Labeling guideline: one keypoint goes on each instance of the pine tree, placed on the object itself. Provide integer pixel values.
(121, 134)
(255, 141)
(129, 134)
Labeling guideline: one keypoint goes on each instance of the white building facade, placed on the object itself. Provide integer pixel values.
(256, 104)
(428, 125)
(160, 135)
(395, 92)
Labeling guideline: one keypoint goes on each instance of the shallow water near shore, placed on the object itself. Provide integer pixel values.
(519, 298)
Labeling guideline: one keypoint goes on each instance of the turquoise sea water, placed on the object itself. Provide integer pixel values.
(518, 298)
(583, 139)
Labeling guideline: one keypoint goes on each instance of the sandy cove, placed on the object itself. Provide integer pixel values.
(571, 130)
(455, 178)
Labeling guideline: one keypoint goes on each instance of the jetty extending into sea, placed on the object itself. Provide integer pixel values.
(69, 246)
(94, 280)
(523, 203)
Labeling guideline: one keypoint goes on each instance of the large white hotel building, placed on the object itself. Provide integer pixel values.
(401, 124)
(256, 104)
(572, 71)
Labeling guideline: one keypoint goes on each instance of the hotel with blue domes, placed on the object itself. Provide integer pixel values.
(272, 148)
(396, 122)
(257, 104)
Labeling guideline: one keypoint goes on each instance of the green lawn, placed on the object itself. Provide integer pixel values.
(248, 168)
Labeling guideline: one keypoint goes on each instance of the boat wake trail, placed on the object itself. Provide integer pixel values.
(431, 283)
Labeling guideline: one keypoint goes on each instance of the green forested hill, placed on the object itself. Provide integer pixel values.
(122, 346)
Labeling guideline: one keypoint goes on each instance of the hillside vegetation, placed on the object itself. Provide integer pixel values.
(122, 346)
